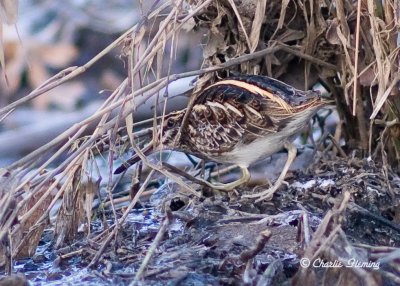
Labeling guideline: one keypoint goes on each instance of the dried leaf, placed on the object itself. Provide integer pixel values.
(27, 237)
(331, 34)
(381, 100)
(233, 5)
(90, 189)
(285, 3)
(257, 24)
(129, 123)
(215, 44)
(290, 35)
(71, 214)
(368, 77)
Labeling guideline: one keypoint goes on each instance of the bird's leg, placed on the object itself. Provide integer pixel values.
(267, 194)
(230, 186)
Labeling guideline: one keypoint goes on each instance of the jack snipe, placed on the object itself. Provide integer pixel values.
(239, 120)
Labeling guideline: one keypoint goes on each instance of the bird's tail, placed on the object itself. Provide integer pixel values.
(135, 158)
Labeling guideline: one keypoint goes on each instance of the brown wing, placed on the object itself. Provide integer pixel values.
(225, 115)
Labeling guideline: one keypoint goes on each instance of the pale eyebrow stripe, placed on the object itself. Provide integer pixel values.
(254, 89)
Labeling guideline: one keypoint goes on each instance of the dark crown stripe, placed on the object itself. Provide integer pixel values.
(270, 84)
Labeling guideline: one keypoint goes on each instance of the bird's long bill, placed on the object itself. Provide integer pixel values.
(147, 150)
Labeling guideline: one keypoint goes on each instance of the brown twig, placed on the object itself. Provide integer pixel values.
(261, 241)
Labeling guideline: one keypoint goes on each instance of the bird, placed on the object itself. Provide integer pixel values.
(239, 120)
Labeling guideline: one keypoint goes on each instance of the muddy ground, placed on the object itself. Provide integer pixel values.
(336, 213)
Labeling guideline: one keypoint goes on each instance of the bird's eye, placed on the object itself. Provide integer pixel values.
(170, 123)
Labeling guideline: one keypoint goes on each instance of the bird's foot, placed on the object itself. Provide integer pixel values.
(269, 193)
(266, 194)
(223, 187)
(230, 186)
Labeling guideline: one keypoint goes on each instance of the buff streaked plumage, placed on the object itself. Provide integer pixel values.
(241, 119)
